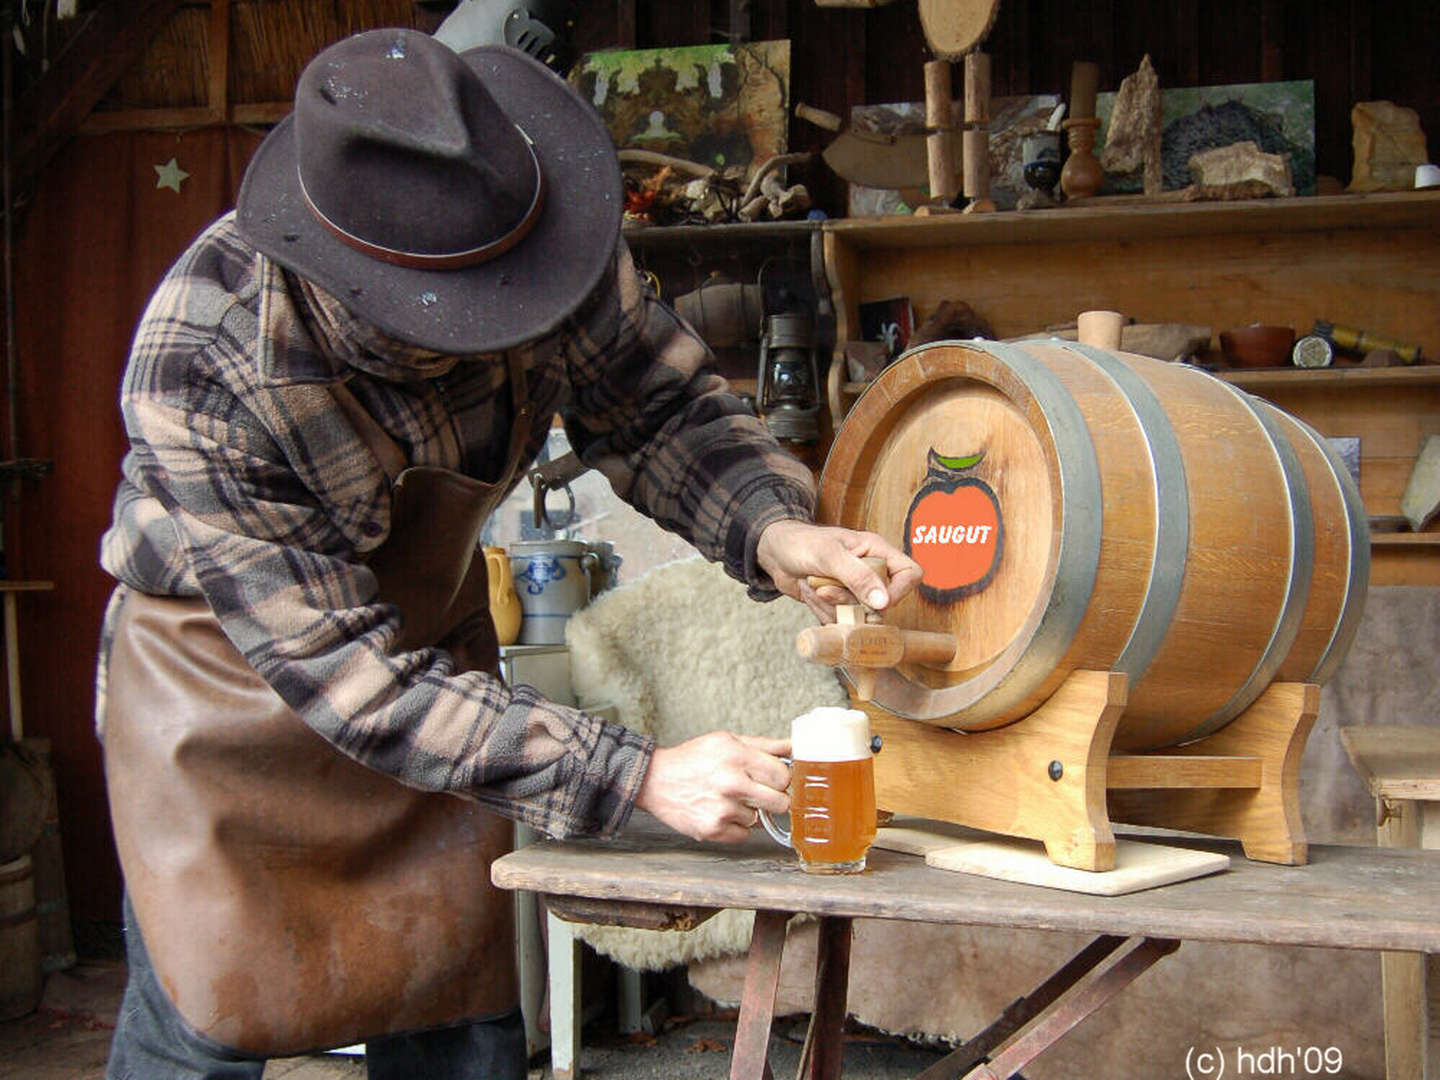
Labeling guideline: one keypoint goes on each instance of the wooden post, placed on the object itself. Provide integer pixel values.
(940, 128)
(1402, 974)
(1082, 174)
(976, 138)
(750, 1059)
(824, 1050)
(565, 1018)
(217, 47)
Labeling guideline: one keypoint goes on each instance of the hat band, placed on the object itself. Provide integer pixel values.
(454, 260)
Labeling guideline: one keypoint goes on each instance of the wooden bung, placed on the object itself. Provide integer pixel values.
(1100, 328)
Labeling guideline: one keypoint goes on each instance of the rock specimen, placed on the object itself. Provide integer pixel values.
(1133, 139)
(1421, 500)
(1240, 171)
(1388, 144)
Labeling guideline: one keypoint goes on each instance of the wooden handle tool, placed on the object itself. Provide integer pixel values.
(862, 644)
(874, 562)
(872, 646)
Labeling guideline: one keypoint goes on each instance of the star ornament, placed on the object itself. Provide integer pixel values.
(170, 175)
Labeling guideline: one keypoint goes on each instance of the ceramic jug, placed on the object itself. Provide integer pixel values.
(505, 607)
(553, 579)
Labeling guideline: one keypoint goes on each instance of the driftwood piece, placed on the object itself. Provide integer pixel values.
(1133, 138)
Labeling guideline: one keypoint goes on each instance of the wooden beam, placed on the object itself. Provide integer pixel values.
(1272, 40)
(113, 38)
(1145, 771)
(217, 46)
(258, 115)
(626, 22)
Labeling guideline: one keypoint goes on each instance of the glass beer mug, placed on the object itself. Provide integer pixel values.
(832, 792)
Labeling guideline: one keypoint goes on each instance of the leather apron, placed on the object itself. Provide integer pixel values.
(290, 898)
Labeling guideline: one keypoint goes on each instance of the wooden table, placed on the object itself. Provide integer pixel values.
(1346, 897)
(1400, 764)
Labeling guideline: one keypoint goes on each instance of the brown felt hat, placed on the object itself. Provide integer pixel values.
(460, 202)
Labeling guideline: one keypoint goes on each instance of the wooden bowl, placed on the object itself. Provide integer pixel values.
(1257, 345)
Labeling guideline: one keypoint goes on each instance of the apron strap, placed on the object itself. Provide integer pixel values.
(524, 409)
(386, 450)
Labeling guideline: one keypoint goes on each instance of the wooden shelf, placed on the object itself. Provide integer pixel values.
(657, 236)
(1127, 221)
(1301, 379)
(1333, 377)
(1405, 540)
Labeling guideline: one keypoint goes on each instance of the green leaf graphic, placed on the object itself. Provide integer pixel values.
(956, 464)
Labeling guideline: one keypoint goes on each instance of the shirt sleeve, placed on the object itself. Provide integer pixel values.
(649, 411)
(212, 487)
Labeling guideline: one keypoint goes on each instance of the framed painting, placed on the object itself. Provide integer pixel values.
(717, 105)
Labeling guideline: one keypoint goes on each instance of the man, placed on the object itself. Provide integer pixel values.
(326, 396)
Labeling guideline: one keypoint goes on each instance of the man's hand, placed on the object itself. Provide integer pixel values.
(789, 551)
(711, 787)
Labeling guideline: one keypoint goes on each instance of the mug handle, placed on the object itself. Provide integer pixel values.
(779, 835)
(590, 566)
(499, 561)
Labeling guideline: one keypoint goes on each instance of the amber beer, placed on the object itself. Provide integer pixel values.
(832, 791)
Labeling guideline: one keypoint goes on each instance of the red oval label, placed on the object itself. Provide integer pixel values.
(954, 531)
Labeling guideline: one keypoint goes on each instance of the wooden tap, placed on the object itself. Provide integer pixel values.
(861, 643)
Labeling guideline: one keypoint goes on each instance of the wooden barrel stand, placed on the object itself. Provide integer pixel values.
(1051, 776)
(1136, 579)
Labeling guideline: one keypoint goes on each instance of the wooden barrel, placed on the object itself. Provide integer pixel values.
(20, 981)
(1076, 508)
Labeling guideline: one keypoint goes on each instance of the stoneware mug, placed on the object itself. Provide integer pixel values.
(832, 792)
(553, 581)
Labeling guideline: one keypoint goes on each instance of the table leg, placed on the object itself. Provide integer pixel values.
(824, 1051)
(1402, 974)
(1038, 1038)
(751, 1058)
(1022, 1010)
(565, 1018)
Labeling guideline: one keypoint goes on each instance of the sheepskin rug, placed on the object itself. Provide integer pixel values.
(680, 652)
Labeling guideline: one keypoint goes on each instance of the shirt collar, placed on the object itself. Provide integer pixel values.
(308, 336)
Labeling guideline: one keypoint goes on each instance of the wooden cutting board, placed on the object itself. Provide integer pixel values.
(954, 27)
(1138, 864)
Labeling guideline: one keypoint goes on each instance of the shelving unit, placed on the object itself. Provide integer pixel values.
(1371, 261)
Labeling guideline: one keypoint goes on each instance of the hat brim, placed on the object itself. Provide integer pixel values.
(523, 294)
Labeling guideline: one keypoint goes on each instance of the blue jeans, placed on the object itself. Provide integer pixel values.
(153, 1042)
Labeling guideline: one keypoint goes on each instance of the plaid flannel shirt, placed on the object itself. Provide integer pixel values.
(246, 486)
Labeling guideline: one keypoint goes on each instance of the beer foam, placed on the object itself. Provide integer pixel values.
(830, 733)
